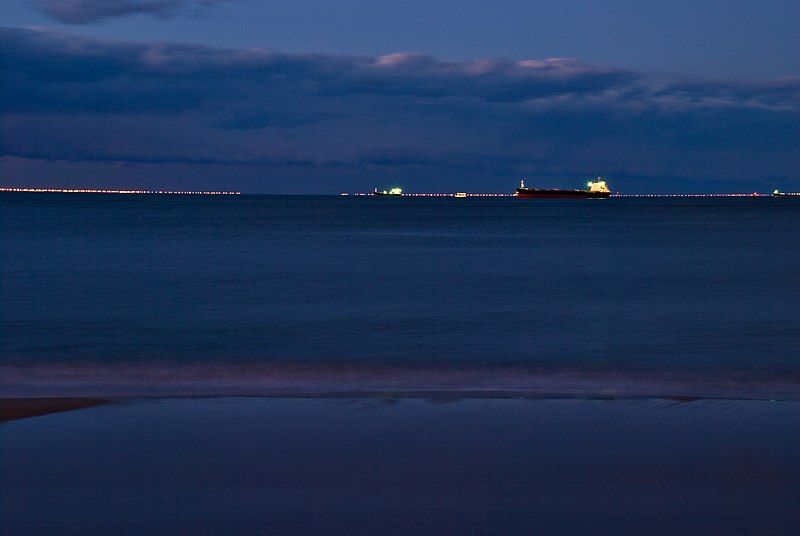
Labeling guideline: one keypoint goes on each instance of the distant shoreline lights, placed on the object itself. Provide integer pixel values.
(93, 191)
(457, 194)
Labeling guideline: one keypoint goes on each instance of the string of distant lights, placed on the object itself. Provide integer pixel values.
(461, 195)
(753, 194)
(94, 191)
(404, 194)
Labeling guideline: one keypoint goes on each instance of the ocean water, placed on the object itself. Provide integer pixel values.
(259, 294)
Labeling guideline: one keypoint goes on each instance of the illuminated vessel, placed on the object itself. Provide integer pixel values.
(597, 189)
(394, 191)
(778, 193)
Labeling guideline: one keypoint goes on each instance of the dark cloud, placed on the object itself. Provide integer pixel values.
(90, 100)
(34, 58)
(775, 94)
(87, 11)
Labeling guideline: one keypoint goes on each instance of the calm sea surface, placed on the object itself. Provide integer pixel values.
(99, 290)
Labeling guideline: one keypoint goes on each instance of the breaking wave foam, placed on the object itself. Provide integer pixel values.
(359, 379)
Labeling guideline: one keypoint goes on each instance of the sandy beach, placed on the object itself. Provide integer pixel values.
(403, 466)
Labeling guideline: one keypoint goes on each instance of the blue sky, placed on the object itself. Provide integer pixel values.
(324, 96)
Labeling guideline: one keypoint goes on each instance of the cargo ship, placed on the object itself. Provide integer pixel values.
(394, 191)
(596, 189)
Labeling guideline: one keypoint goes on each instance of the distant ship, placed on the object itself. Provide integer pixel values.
(597, 189)
(394, 191)
(778, 193)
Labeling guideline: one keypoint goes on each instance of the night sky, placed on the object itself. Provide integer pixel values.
(315, 96)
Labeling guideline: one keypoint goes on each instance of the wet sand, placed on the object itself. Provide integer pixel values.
(398, 465)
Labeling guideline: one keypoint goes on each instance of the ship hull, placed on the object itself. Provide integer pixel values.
(542, 193)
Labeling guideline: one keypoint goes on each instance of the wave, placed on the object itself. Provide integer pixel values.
(292, 379)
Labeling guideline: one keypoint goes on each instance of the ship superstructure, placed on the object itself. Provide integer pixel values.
(394, 191)
(778, 193)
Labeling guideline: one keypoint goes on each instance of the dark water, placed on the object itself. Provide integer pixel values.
(151, 291)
